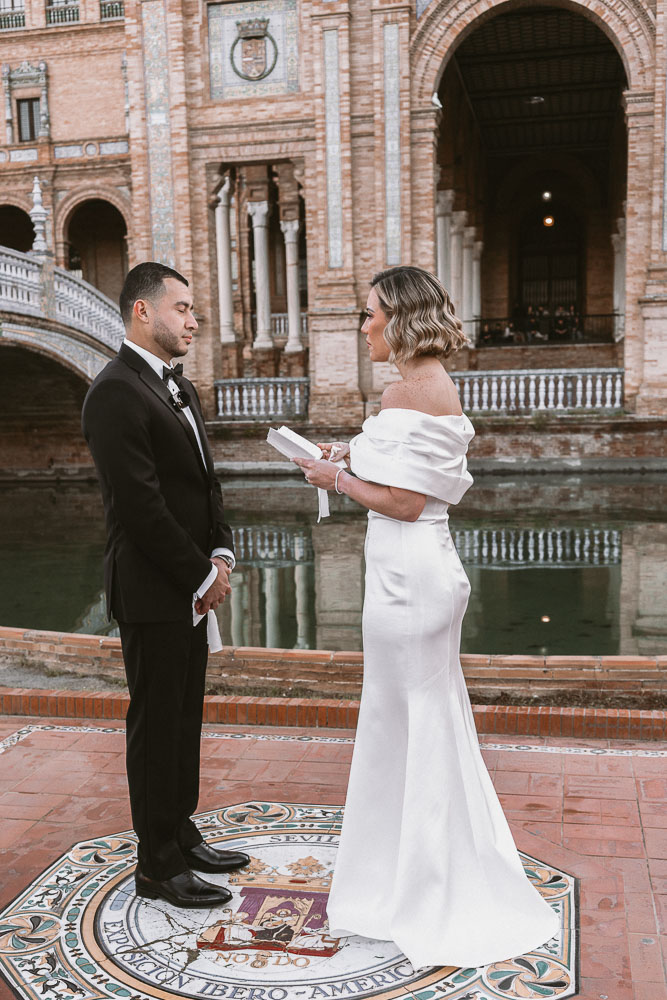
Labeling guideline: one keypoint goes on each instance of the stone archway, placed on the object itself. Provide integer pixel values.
(445, 24)
(16, 229)
(96, 235)
(43, 399)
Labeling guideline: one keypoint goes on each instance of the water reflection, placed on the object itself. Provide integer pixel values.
(544, 579)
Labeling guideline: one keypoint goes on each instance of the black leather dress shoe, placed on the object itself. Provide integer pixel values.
(185, 889)
(209, 859)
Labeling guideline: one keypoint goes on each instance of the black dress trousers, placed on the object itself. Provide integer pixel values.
(165, 664)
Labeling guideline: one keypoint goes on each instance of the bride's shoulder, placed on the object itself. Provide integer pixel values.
(422, 395)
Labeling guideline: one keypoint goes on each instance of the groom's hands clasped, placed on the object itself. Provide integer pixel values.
(218, 590)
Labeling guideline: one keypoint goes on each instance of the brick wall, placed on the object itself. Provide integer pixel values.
(41, 404)
(87, 103)
(338, 674)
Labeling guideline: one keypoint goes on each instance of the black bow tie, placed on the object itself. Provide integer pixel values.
(174, 372)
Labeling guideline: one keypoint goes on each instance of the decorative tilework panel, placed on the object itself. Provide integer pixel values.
(62, 152)
(333, 151)
(22, 155)
(392, 145)
(156, 77)
(664, 190)
(82, 357)
(115, 147)
(421, 6)
(283, 27)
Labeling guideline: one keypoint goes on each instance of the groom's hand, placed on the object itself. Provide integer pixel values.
(218, 590)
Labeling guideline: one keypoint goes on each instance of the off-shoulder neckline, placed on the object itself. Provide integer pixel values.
(412, 409)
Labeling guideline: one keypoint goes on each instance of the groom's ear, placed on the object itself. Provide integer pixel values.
(140, 310)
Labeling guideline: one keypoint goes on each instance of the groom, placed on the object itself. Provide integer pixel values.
(168, 550)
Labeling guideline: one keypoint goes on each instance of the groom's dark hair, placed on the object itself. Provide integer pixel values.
(145, 281)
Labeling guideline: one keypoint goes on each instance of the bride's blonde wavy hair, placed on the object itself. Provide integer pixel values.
(420, 314)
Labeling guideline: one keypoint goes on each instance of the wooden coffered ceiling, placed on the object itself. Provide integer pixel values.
(547, 53)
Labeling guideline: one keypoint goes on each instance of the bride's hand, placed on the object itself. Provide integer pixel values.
(335, 450)
(318, 472)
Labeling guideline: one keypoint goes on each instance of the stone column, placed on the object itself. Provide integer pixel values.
(443, 220)
(466, 279)
(459, 220)
(618, 243)
(272, 606)
(9, 121)
(259, 213)
(238, 610)
(476, 288)
(223, 243)
(290, 229)
(302, 587)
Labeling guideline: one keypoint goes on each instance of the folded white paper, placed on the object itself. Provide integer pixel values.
(293, 445)
(212, 630)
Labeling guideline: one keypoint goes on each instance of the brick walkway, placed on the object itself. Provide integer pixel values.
(600, 818)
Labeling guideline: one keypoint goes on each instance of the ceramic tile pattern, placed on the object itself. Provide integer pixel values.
(156, 79)
(600, 816)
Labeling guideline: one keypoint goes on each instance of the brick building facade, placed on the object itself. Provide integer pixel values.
(280, 152)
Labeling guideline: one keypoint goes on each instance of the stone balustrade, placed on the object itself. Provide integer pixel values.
(262, 398)
(85, 308)
(280, 324)
(20, 283)
(547, 389)
(261, 545)
(532, 547)
(30, 286)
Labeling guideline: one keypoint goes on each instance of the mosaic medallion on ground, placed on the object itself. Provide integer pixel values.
(79, 932)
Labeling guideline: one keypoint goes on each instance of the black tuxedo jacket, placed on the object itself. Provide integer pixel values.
(163, 505)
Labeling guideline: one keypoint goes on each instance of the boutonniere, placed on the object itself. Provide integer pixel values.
(180, 399)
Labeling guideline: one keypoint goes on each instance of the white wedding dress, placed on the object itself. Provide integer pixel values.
(426, 857)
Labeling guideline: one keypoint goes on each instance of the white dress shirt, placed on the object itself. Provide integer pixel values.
(158, 366)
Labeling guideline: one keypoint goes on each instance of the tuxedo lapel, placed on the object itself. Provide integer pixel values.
(158, 386)
(194, 409)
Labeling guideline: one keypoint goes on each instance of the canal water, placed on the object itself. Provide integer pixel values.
(557, 564)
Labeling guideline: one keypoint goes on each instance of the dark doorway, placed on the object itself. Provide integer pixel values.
(16, 229)
(97, 246)
(549, 259)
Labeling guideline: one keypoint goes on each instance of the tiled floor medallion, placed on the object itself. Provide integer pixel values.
(79, 932)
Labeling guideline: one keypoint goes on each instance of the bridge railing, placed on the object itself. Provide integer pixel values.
(33, 286)
(20, 283)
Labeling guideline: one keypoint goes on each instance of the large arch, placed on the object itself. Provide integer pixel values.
(71, 201)
(445, 23)
(16, 229)
(630, 28)
(76, 355)
(43, 399)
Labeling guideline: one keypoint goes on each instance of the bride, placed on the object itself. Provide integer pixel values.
(426, 857)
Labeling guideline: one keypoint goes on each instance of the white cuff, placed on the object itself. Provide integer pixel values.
(211, 578)
(227, 553)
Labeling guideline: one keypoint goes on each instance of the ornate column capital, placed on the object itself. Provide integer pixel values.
(290, 228)
(459, 220)
(444, 202)
(259, 213)
(224, 193)
(469, 234)
(477, 250)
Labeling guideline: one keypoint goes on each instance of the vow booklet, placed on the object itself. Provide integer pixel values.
(293, 445)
